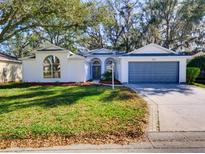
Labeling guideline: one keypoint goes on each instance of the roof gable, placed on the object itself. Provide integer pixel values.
(152, 49)
(74, 56)
(5, 57)
(104, 52)
(51, 47)
(101, 51)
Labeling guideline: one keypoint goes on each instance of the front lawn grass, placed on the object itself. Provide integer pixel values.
(198, 85)
(29, 112)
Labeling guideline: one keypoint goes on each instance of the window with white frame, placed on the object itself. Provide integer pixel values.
(51, 67)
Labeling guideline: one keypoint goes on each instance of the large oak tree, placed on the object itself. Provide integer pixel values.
(21, 15)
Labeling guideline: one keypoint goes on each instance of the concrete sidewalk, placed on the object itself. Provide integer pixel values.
(154, 142)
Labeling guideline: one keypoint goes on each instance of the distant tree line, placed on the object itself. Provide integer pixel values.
(116, 24)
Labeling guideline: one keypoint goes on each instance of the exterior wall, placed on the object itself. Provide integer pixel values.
(10, 71)
(30, 71)
(87, 70)
(76, 71)
(124, 66)
(117, 74)
(182, 70)
(72, 70)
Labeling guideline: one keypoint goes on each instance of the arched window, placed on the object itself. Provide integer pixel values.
(108, 64)
(51, 67)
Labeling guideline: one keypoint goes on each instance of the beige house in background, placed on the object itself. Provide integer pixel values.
(10, 68)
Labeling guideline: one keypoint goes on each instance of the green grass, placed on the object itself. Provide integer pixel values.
(199, 85)
(29, 111)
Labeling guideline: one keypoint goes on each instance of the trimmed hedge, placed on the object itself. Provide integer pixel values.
(192, 74)
(107, 76)
(198, 62)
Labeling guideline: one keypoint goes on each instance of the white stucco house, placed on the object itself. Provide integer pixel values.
(149, 64)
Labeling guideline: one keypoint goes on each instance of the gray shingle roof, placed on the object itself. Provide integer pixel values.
(104, 51)
(6, 57)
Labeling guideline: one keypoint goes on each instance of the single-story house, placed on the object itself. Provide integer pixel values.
(10, 68)
(149, 64)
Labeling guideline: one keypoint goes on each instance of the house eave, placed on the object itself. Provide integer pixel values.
(173, 56)
(137, 51)
(76, 57)
(59, 51)
(12, 61)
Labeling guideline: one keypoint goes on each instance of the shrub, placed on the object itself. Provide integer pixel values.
(198, 62)
(192, 74)
(107, 76)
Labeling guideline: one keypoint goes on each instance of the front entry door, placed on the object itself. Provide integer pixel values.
(96, 72)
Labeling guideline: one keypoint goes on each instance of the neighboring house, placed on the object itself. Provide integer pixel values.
(149, 64)
(10, 68)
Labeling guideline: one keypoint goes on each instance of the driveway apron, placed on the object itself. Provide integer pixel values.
(177, 107)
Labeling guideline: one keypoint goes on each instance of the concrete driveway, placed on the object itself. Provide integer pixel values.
(179, 107)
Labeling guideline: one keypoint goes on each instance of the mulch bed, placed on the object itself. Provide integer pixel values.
(55, 140)
(28, 84)
(110, 82)
(61, 83)
(88, 83)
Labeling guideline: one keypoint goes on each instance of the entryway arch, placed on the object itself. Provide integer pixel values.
(96, 68)
(108, 64)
